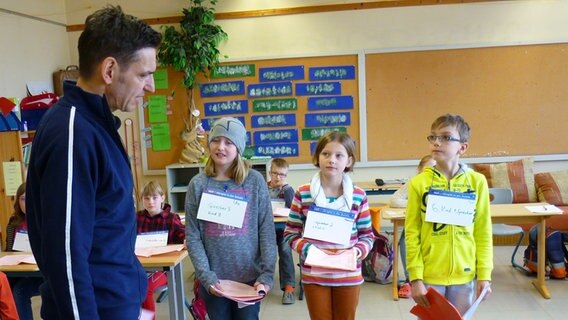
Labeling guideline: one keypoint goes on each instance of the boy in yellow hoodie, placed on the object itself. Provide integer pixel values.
(448, 222)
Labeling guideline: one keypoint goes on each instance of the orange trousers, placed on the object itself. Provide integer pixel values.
(332, 303)
(8, 309)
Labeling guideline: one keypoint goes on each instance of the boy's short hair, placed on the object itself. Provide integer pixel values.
(152, 188)
(453, 120)
(343, 138)
(279, 163)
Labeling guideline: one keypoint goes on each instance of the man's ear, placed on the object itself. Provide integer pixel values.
(109, 69)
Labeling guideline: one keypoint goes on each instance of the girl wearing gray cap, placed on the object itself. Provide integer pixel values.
(229, 225)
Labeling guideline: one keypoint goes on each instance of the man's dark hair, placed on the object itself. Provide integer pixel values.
(109, 32)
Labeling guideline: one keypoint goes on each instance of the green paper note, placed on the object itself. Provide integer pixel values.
(161, 79)
(157, 109)
(161, 138)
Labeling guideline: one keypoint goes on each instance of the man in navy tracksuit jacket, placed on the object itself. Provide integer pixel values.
(81, 215)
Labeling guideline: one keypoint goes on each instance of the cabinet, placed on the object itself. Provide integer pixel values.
(10, 150)
(178, 176)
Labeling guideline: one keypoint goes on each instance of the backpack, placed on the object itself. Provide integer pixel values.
(197, 308)
(378, 265)
(556, 253)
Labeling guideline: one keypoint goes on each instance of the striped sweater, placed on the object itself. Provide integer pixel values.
(361, 237)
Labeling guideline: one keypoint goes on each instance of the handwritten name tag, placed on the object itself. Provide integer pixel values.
(449, 207)
(152, 239)
(222, 207)
(329, 225)
(22, 241)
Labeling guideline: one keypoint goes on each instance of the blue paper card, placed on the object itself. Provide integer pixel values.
(281, 73)
(328, 119)
(274, 120)
(330, 103)
(318, 88)
(275, 136)
(219, 89)
(225, 107)
(277, 150)
(332, 73)
(272, 89)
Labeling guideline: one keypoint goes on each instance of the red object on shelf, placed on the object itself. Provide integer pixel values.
(6, 105)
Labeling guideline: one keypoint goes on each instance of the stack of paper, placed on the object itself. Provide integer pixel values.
(281, 212)
(544, 209)
(343, 260)
(15, 259)
(153, 251)
(241, 293)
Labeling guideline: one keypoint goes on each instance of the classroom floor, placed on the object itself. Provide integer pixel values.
(513, 297)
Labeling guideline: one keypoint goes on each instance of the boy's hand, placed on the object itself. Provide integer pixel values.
(481, 284)
(419, 293)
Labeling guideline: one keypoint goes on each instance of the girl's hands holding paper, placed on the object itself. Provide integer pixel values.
(216, 290)
(261, 288)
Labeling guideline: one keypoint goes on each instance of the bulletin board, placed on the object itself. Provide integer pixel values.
(515, 99)
(285, 104)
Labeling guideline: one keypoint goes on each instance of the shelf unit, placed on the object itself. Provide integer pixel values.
(262, 167)
(178, 176)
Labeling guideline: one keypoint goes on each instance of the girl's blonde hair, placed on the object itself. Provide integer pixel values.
(238, 170)
(152, 188)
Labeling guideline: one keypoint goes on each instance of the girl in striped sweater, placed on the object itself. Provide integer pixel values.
(331, 293)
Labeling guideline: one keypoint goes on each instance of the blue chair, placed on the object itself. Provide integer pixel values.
(504, 196)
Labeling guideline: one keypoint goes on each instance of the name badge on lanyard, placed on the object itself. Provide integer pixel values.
(449, 207)
(222, 208)
(329, 225)
(22, 241)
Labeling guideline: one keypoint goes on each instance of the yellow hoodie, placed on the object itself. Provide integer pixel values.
(441, 254)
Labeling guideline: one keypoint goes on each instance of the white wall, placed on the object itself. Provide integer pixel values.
(31, 49)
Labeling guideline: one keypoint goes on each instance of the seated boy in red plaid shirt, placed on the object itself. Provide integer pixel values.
(156, 216)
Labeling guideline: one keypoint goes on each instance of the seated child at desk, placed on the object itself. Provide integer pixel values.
(283, 193)
(23, 288)
(399, 200)
(156, 216)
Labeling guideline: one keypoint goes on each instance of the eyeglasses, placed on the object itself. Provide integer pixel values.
(279, 175)
(443, 139)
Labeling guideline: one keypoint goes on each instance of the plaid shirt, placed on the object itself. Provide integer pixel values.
(165, 220)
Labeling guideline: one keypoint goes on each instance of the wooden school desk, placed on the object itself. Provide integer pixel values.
(516, 213)
(169, 262)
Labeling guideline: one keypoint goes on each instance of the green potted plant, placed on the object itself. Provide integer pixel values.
(192, 49)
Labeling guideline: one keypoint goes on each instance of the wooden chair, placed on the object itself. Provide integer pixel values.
(505, 195)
